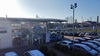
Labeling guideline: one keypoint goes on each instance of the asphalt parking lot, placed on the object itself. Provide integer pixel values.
(71, 37)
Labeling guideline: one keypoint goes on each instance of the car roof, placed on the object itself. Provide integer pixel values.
(36, 53)
(83, 46)
(66, 41)
(81, 38)
(95, 42)
(10, 54)
(90, 44)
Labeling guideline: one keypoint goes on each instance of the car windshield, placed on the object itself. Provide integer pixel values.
(26, 54)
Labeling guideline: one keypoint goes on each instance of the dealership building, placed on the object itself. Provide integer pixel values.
(24, 31)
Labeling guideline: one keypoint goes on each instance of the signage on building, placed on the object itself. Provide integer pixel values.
(3, 30)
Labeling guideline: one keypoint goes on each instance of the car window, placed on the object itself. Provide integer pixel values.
(64, 42)
(27, 54)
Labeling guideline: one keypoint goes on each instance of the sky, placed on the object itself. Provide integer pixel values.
(60, 9)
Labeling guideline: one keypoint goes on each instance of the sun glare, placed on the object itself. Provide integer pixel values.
(11, 8)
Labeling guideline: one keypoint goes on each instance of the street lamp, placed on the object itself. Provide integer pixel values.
(73, 6)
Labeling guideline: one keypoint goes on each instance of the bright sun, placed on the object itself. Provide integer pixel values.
(11, 8)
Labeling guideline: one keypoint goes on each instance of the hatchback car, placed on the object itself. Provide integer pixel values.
(87, 49)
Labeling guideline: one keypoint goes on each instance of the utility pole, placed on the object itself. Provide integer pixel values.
(73, 6)
(97, 23)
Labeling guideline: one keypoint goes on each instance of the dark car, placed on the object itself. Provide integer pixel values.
(69, 33)
(81, 34)
(93, 46)
(76, 33)
(87, 49)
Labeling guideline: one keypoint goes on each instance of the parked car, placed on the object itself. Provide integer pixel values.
(11, 54)
(81, 39)
(87, 34)
(33, 53)
(93, 46)
(81, 29)
(90, 34)
(69, 33)
(92, 37)
(59, 44)
(74, 33)
(76, 41)
(87, 38)
(93, 33)
(65, 45)
(87, 49)
(81, 34)
(97, 39)
(95, 42)
(55, 37)
(47, 52)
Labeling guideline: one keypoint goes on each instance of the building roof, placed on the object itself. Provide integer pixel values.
(36, 19)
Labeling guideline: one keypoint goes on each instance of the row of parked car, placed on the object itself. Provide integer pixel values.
(43, 51)
(57, 36)
(28, 53)
(86, 46)
(81, 34)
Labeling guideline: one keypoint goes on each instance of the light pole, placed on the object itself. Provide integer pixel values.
(73, 6)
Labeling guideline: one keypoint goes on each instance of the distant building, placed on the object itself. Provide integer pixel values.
(19, 31)
(89, 23)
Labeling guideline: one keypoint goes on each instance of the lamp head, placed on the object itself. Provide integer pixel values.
(71, 6)
(75, 5)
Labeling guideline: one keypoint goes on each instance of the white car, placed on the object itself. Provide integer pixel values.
(34, 53)
(11, 54)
